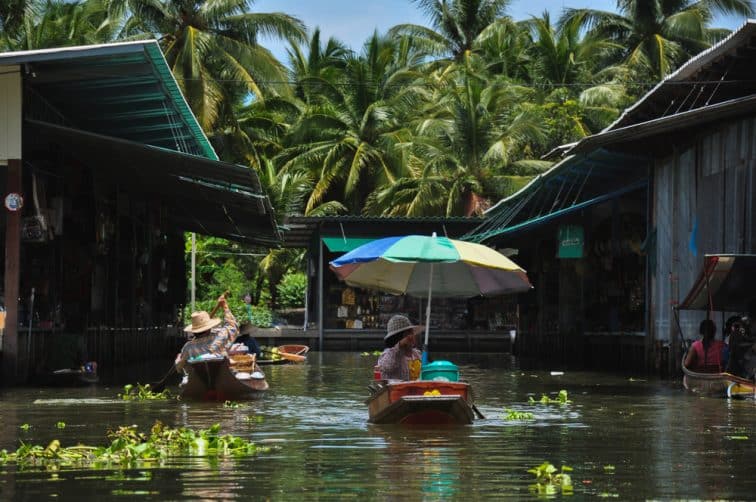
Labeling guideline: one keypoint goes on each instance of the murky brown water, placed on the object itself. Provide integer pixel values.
(662, 442)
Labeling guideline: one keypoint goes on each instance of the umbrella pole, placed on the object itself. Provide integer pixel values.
(427, 315)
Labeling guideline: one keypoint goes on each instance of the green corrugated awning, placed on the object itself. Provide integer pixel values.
(345, 244)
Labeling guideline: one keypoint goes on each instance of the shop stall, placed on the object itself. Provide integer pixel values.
(355, 318)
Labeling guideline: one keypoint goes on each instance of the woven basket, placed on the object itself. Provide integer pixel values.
(242, 362)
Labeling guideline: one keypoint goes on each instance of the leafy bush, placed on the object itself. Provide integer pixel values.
(262, 317)
(292, 290)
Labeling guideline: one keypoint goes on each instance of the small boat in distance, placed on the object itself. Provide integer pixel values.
(718, 384)
(215, 378)
(284, 354)
(420, 402)
(294, 353)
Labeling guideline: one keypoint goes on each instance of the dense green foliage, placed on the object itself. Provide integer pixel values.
(291, 291)
(435, 120)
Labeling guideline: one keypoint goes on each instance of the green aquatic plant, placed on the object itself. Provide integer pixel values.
(24, 427)
(550, 481)
(130, 448)
(258, 419)
(60, 425)
(142, 393)
(545, 399)
(233, 405)
(518, 415)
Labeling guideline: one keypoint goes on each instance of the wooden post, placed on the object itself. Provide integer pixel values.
(12, 266)
(321, 300)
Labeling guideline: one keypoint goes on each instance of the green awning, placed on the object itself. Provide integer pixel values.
(345, 244)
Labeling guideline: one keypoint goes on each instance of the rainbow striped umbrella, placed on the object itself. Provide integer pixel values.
(423, 266)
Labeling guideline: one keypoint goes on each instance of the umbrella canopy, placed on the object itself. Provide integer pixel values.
(411, 263)
(423, 266)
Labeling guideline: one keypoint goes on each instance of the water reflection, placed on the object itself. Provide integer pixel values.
(623, 437)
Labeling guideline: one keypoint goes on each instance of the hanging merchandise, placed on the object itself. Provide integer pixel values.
(34, 228)
(348, 296)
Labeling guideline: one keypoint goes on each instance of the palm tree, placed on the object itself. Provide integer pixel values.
(468, 146)
(656, 36)
(455, 24)
(563, 54)
(315, 66)
(56, 23)
(345, 136)
(12, 14)
(212, 48)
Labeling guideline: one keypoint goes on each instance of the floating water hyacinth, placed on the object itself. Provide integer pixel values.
(142, 393)
(130, 448)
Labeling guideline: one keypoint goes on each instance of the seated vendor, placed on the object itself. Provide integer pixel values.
(705, 355)
(206, 339)
(742, 347)
(400, 360)
(245, 337)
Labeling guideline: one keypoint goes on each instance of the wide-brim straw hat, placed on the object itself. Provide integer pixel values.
(201, 322)
(398, 327)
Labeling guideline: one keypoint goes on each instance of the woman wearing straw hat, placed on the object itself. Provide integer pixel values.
(400, 356)
(206, 339)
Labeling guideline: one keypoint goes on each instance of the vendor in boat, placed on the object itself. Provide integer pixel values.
(245, 337)
(705, 355)
(206, 339)
(742, 348)
(401, 359)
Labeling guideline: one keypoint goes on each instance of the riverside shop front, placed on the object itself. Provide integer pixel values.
(348, 318)
(99, 188)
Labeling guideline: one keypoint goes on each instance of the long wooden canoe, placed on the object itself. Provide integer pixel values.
(421, 402)
(718, 384)
(214, 380)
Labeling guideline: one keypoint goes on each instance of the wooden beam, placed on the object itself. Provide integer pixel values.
(12, 267)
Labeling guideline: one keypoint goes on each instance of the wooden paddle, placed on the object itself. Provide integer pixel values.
(478, 413)
(295, 358)
(159, 386)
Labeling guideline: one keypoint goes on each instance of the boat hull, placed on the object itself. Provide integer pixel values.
(718, 384)
(421, 403)
(215, 381)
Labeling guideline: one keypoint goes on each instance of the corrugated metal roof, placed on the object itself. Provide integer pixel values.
(124, 90)
(687, 71)
(299, 231)
(201, 195)
(680, 121)
(576, 182)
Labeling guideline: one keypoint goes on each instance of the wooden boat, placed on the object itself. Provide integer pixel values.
(718, 384)
(217, 379)
(723, 285)
(420, 402)
(293, 353)
(68, 377)
(285, 354)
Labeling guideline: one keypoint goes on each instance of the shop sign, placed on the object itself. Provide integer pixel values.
(570, 238)
(14, 202)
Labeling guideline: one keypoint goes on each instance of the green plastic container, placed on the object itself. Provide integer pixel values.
(441, 371)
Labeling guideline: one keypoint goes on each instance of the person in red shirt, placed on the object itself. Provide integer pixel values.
(705, 355)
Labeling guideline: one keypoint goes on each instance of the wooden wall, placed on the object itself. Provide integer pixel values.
(10, 113)
(703, 199)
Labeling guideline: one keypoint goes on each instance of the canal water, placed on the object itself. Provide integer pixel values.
(624, 436)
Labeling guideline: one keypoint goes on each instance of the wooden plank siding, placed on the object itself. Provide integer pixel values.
(10, 113)
(707, 185)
